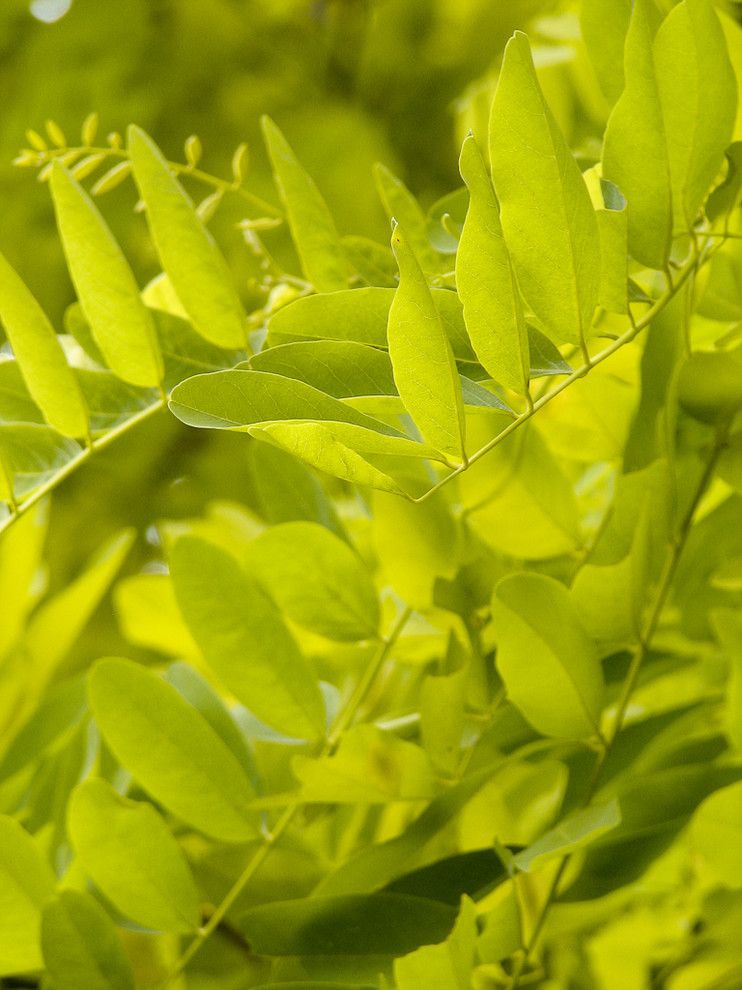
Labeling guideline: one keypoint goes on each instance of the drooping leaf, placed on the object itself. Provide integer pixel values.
(40, 357)
(128, 851)
(716, 834)
(698, 96)
(486, 284)
(546, 213)
(635, 155)
(375, 924)
(171, 750)
(120, 322)
(244, 639)
(549, 665)
(317, 579)
(26, 882)
(81, 946)
(188, 252)
(422, 359)
(312, 227)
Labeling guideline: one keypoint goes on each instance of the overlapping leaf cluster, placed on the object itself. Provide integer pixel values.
(454, 698)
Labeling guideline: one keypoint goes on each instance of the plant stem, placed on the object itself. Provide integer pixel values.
(344, 720)
(93, 447)
(633, 331)
(646, 635)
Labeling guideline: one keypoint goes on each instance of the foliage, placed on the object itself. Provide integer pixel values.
(411, 652)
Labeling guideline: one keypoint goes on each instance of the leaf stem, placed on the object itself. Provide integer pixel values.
(343, 722)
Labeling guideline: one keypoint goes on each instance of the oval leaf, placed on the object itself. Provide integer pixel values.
(546, 212)
(317, 579)
(120, 322)
(244, 639)
(485, 281)
(40, 357)
(171, 750)
(549, 664)
(126, 848)
(422, 359)
(312, 227)
(188, 252)
(26, 882)
(81, 946)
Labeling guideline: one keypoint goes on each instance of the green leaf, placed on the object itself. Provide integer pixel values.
(33, 454)
(171, 750)
(726, 196)
(16, 404)
(548, 219)
(376, 924)
(402, 207)
(447, 966)
(422, 359)
(549, 665)
(338, 449)
(121, 324)
(188, 253)
(372, 260)
(415, 543)
(26, 882)
(40, 357)
(698, 96)
(727, 626)
(148, 615)
(486, 284)
(338, 368)
(635, 155)
(574, 832)
(244, 639)
(239, 400)
(286, 490)
(710, 385)
(81, 945)
(312, 227)
(56, 626)
(362, 315)
(604, 25)
(716, 834)
(369, 767)
(470, 873)
(127, 850)
(198, 692)
(317, 579)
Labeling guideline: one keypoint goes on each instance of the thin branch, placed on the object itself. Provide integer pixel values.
(344, 720)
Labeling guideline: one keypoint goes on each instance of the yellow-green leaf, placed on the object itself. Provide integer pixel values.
(26, 882)
(312, 227)
(548, 219)
(40, 357)
(486, 283)
(121, 324)
(422, 359)
(81, 945)
(188, 252)
(171, 750)
(128, 851)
